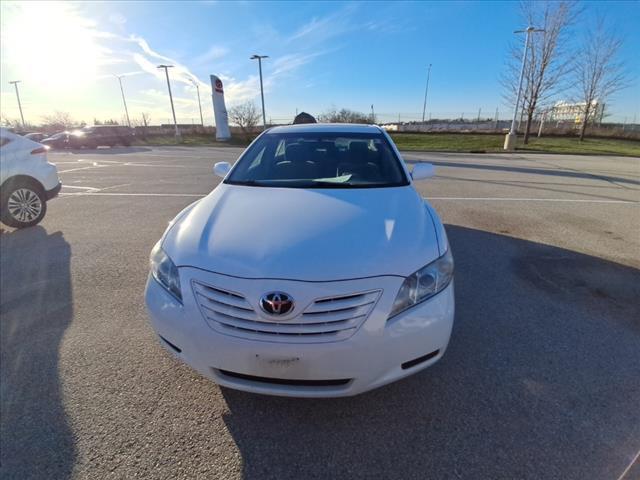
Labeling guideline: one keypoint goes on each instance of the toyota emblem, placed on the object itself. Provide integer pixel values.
(276, 303)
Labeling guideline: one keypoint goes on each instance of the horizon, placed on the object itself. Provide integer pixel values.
(322, 56)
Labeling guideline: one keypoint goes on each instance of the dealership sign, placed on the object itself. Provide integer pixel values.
(219, 110)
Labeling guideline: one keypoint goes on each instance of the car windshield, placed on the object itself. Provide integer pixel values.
(319, 160)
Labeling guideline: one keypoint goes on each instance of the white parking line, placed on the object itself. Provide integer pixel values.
(100, 164)
(512, 199)
(93, 189)
(112, 194)
(628, 469)
(84, 168)
(154, 165)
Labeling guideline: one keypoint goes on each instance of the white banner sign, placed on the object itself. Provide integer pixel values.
(219, 110)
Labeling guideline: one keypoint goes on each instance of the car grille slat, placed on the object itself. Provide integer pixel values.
(338, 315)
(343, 302)
(226, 310)
(326, 319)
(221, 296)
(286, 328)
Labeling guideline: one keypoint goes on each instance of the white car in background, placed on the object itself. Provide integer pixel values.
(27, 180)
(315, 269)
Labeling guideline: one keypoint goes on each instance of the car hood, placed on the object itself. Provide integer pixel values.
(305, 234)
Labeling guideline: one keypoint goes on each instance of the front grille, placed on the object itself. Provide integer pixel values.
(326, 319)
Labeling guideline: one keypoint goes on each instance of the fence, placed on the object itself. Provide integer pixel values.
(441, 122)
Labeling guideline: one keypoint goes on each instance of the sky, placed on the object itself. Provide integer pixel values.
(321, 56)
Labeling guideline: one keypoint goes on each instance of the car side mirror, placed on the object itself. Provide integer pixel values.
(221, 169)
(422, 171)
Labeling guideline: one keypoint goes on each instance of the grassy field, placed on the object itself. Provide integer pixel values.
(455, 142)
(464, 142)
(193, 140)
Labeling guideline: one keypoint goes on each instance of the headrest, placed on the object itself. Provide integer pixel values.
(297, 152)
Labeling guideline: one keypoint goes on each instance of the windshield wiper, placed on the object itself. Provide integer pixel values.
(329, 184)
(301, 184)
(248, 183)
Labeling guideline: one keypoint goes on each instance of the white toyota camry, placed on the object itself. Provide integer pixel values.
(315, 269)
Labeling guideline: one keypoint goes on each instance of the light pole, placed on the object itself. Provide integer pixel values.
(15, 84)
(259, 58)
(510, 139)
(424, 107)
(126, 110)
(173, 110)
(199, 104)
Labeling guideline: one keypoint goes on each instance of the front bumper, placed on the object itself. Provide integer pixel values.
(379, 352)
(54, 191)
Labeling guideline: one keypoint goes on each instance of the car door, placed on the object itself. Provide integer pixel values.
(7, 155)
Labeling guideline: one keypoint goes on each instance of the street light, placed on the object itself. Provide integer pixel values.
(173, 110)
(15, 84)
(126, 110)
(259, 58)
(424, 107)
(199, 104)
(510, 139)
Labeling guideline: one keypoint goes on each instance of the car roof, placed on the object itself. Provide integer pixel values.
(327, 128)
(15, 138)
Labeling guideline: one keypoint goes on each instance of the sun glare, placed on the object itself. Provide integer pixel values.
(50, 44)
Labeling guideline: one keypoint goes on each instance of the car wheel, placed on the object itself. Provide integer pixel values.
(23, 204)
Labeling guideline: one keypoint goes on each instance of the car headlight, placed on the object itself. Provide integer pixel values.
(424, 284)
(165, 272)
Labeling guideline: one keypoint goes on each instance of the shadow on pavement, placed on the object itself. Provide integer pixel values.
(537, 171)
(35, 310)
(540, 381)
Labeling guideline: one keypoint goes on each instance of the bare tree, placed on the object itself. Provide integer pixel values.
(143, 121)
(246, 116)
(12, 123)
(344, 116)
(549, 59)
(58, 121)
(145, 118)
(599, 72)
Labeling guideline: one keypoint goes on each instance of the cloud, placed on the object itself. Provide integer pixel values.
(288, 63)
(179, 72)
(321, 29)
(114, 49)
(117, 19)
(215, 52)
(238, 91)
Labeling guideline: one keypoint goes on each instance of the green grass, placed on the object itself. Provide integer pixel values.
(465, 142)
(452, 142)
(194, 140)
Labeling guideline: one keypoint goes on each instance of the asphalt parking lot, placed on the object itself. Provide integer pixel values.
(541, 379)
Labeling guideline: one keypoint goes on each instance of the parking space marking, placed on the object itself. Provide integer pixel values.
(96, 165)
(512, 199)
(125, 194)
(92, 189)
(99, 164)
(130, 164)
(628, 469)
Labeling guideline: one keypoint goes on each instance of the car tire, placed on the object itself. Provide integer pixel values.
(24, 203)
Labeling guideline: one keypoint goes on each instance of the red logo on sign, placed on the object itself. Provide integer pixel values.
(218, 85)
